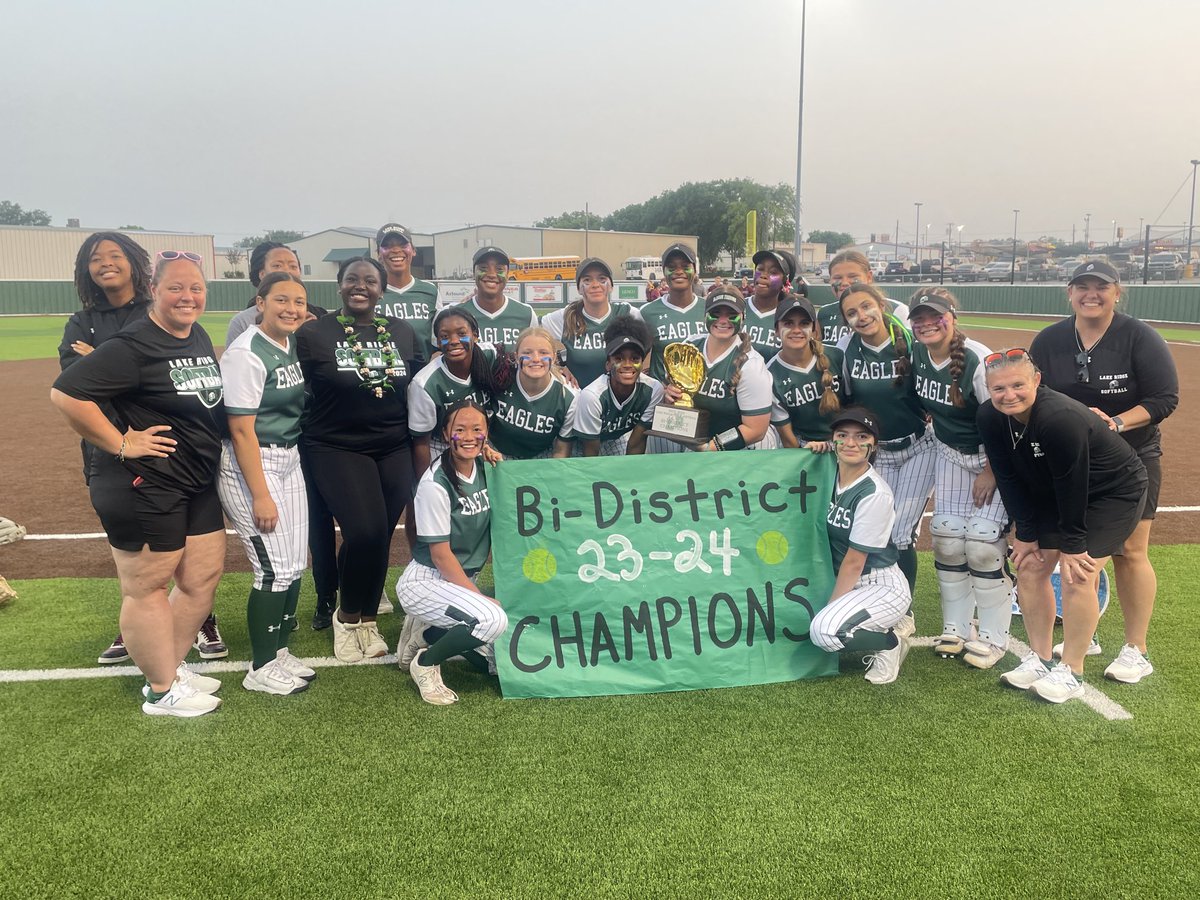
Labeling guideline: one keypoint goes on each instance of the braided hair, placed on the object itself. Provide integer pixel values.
(258, 259)
(139, 267)
(829, 398)
(895, 328)
(958, 344)
(446, 460)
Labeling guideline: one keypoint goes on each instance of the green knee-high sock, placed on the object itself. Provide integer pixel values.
(455, 641)
(871, 641)
(908, 565)
(264, 613)
(288, 622)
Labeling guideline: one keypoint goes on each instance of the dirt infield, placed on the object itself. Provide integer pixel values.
(42, 488)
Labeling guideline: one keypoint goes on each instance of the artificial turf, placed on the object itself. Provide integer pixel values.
(942, 784)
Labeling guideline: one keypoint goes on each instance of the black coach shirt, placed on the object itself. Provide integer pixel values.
(1065, 458)
(344, 413)
(154, 378)
(1130, 366)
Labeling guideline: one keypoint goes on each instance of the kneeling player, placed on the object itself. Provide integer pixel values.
(613, 413)
(871, 596)
(453, 515)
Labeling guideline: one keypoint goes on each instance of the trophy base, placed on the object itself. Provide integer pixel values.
(684, 424)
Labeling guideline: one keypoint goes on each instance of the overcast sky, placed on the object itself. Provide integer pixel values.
(235, 117)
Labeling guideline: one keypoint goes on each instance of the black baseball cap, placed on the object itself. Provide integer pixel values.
(623, 340)
(1096, 268)
(935, 302)
(484, 252)
(392, 230)
(859, 415)
(795, 302)
(592, 262)
(786, 261)
(684, 249)
(725, 298)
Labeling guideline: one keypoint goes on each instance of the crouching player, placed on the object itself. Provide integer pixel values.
(871, 596)
(453, 515)
(613, 413)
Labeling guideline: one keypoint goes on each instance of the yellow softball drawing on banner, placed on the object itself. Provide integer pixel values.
(539, 565)
(772, 547)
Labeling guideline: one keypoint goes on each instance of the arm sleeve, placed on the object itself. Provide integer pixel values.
(755, 389)
(431, 507)
(74, 331)
(422, 411)
(1158, 381)
(112, 368)
(1014, 492)
(874, 517)
(243, 378)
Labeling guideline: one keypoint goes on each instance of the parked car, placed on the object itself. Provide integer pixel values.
(1165, 266)
(931, 270)
(997, 271)
(1042, 269)
(1128, 264)
(966, 273)
(1067, 266)
(896, 271)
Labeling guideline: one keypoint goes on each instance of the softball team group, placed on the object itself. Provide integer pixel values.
(387, 409)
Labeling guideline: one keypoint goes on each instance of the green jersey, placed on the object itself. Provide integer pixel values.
(444, 514)
(415, 303)
(760, 326)
(502, 326)
(435, 389)
(525, 426)
(726, 404)
(263, 379)
(952, 425)
(861, 516)
(585, 352)
(798, 393)
(599, 415)
(670, 324)
(869, 374)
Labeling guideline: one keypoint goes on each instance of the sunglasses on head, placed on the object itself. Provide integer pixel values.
(169, 255)
(1003, 356)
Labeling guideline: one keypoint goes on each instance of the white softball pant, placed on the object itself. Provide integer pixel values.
(909, 473)
(881, 594)
(424, 593)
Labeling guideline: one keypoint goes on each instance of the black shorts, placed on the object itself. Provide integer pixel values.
(1153, 466)
(136, 513)
(1110, 521)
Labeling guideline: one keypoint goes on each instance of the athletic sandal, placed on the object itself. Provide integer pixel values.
(181, 701)
(429, 683)
(208, 641)
(346, 645)
(293, 666)
(272, 678)
(116, 653)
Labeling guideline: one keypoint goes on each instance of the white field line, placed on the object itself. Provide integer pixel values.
(97, 535)
(1092, 697)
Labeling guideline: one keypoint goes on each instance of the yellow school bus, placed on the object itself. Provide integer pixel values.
(544, 268)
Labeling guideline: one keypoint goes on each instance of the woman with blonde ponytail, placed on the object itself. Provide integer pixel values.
(969, 519)
(807, 378)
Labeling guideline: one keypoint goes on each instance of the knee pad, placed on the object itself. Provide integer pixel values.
(949, 534)
(986, 549)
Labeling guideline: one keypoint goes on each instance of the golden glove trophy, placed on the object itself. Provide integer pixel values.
(681, 421)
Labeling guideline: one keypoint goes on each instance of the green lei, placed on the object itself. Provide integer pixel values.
(373, 380)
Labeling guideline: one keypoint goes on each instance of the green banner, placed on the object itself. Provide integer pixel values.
(635, 574)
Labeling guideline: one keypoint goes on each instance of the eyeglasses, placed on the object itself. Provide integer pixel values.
(169, 255)
(1000, 358)
(1084, 375)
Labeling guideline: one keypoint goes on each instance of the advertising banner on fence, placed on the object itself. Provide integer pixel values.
(636, 574)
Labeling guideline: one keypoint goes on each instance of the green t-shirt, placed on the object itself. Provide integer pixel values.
(264, 380)
(725, 404)
(601, 416)
(868, 374)
(953, 426)
(585, 352)
(760, 326)
(798, 393)
(669, 324)
(526, 426)
(504, 325)
(861, 516)
(415, 304)
(435, 389)
(443, 514)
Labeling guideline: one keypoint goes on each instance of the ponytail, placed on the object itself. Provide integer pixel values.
(899, 335)
(573, 323)
(829, 398)
(957, 357)
(741, 360)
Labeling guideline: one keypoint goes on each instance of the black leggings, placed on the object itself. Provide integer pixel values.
(321, 542)
(366, 494)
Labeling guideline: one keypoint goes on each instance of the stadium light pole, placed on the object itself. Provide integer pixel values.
(960, 228)
(917, 233)
(1087, 225)
(800, 135)
(1012, 276)
(1191, 214)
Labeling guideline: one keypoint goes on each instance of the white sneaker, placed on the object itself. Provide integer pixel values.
(412, 641)
(1023, 677)
(1092, 650)
(429, 683)
(293, 666)
(1059, 686)
(346, 646)
(949, 645)
(197, 682)
(1130, 666)
(371, 641)
(884, 666)
(906, 627)
(385, 605)
(273, 678)
(181, 701)
(982, 654)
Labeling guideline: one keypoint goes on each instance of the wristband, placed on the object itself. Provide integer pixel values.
(731, 439)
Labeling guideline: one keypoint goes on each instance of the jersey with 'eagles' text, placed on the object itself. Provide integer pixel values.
(726, 404)
(869, 374)
(860, 517)
(526, 425)
(505, 324)
(952, 425)
(760, 326)
(435, 389)
(415, 303)
(599, 415)
(463, 519)
(798, 393)
(671, 324)
(585, 352)
(264, 380)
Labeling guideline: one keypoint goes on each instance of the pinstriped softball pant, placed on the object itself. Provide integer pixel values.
(278, 557)
(423, 593)
(881, 593)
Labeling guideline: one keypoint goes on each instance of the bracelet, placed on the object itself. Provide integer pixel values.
(121, 452)
(716, 443)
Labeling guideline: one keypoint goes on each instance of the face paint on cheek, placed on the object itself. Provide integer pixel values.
(775, 282)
